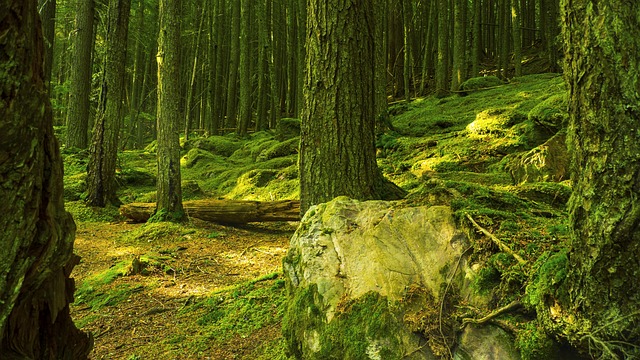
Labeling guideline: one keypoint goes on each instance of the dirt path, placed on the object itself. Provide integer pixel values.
(139, 313)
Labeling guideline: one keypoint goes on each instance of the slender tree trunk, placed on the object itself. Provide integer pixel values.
(337, 152)
(169, 189)
(476, 47)
(245, 103)
(137, 77)
(78, 113)
(232, 88)
(101, 171)
(407, 15)
(443, 45)
(262, 122)
(601, 69)
(36, 256)
(188, 119)
(380, 63)
(458, 74)
(516, 23)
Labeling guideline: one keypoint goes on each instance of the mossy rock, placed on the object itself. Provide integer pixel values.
(195, 156)
(495, 121)
(282, 149)
(554, 194)
(218, 145)
(481, 82)
(135, 177)
(548, 162)
(551, 113)
(287, 128)
(191, 190)
(257, 177)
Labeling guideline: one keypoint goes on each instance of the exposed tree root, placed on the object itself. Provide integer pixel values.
(497, 241)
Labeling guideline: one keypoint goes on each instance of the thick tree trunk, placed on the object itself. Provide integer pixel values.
(337, 151)
(101, 172)
(223, 211)
(602, 70)
(169, 187)
(80, 88)
(36, 252)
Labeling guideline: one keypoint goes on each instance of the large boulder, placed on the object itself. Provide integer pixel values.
(365, 280)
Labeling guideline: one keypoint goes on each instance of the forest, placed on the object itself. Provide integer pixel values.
(319, 179)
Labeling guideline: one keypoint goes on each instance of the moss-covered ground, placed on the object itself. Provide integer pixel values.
(198, 290)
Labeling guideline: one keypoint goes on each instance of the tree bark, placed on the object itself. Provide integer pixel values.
(101, 171)
(337, 152)
(602, 70)
(36, 253)
(245, 104)
(169, 188)
(223, 211)
(80, 89)
(47, 10)
(234, 60)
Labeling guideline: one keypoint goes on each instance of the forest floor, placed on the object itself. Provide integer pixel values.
(160, 312)
(199, 290)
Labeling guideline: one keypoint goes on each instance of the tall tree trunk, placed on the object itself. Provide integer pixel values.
(80, 89)
(101, 172)
(262, 122)
(337, 152)
(245, 103)
(169, 189)
(380, 63)
(234, 46)
(443, 46)
(602, 70)
(407, 16)
(36, 256)
(47, 9)
(137, 78)
(188, 118)
(476, 47)
(516, 24)
(458, 74)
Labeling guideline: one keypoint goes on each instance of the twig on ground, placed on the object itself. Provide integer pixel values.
(497, 241)
(511, 306)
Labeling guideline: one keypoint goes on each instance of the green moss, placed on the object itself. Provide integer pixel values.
(551, 113)
(95, 292)
(547, 279)
(216, 145)
(154, 231)
(84, 213)
(481, 82)
(242, 309)
(285, 148)
(364, 328)
(534, 343)
(287, 128)
(495, 121)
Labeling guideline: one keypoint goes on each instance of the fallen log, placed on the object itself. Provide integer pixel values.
(223, 211)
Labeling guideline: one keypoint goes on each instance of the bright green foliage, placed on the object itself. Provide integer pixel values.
(94, 291)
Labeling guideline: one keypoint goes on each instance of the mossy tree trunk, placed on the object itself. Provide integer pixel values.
(602, 69)
(36, 251)
(101, 171)
(169, 189)
(80, 77)
(337, 151)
